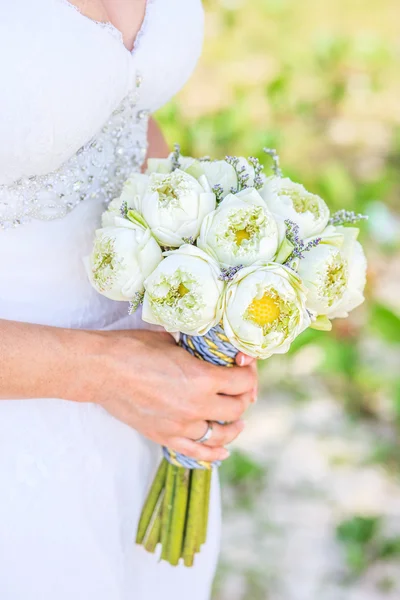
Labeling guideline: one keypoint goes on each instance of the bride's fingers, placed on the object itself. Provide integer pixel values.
(242, 360)
(229, 409)
(220, 435)
(197, 451)
(224, 434)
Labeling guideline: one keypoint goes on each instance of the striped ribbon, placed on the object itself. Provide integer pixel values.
(214, 347)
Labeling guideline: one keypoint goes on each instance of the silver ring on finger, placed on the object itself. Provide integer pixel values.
(204, 438)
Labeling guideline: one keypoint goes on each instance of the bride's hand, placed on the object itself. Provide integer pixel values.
(145, 380)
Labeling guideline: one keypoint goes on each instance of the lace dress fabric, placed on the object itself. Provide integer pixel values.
(74, 110)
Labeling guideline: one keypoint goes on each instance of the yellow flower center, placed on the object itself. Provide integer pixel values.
(307, 202)
(241, 235)
(264, 311)
(182, 290)
(107, 260)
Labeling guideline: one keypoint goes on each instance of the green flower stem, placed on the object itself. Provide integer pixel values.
(153, 534)
(167, 511)
(201, 513)
(179, 514)
(151, 501)
(194, 517)
(207, 492)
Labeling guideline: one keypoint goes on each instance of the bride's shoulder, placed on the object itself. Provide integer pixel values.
(63, 75)
(61, 79)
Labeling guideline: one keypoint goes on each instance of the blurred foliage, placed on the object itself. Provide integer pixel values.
(245, 476)
(364, 542)
(320, 82)
(241, 468)
(357, 536)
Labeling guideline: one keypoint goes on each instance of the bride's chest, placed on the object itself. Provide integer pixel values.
(63, 76)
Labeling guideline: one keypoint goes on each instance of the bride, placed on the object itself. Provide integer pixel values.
(87, 395)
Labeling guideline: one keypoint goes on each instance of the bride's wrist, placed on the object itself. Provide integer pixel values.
(94, 360)
(82, 373)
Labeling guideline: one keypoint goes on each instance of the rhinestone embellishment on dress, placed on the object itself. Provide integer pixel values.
(97, 171)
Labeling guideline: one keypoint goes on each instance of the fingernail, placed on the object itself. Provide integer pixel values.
(241, 360)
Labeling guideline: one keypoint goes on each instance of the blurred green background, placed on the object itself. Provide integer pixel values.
(312, 491)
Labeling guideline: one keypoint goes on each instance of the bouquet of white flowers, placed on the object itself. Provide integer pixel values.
(232, 261)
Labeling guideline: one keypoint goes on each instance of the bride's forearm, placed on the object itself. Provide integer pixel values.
(37, 361)
(143, 378)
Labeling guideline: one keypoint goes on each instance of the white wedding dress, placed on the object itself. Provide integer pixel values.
(74, 106)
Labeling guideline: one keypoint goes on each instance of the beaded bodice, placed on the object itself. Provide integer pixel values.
(96, 171)
(73, 122)
(74, 109)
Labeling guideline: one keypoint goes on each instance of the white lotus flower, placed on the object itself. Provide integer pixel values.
(184, 292)
(123, 256)
(221, 173)
(265, 310)
(241, 231)
(134, 190)
(131, 196)
(334, 273)
(292, 201)
(175, 205)
(113, 212)
(217, 172)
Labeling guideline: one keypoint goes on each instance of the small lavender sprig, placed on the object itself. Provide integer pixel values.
(176, 157)
(258, 169)
(241, 174)
(293, 233)
(189, 240)
(136, 302)
(276, 161)
(218, 191)
(341, 217)
(300, 248)
(228, 273)
(124, 209)
(311, 244)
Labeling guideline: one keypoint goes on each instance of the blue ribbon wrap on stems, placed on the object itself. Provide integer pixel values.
(213, 347)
